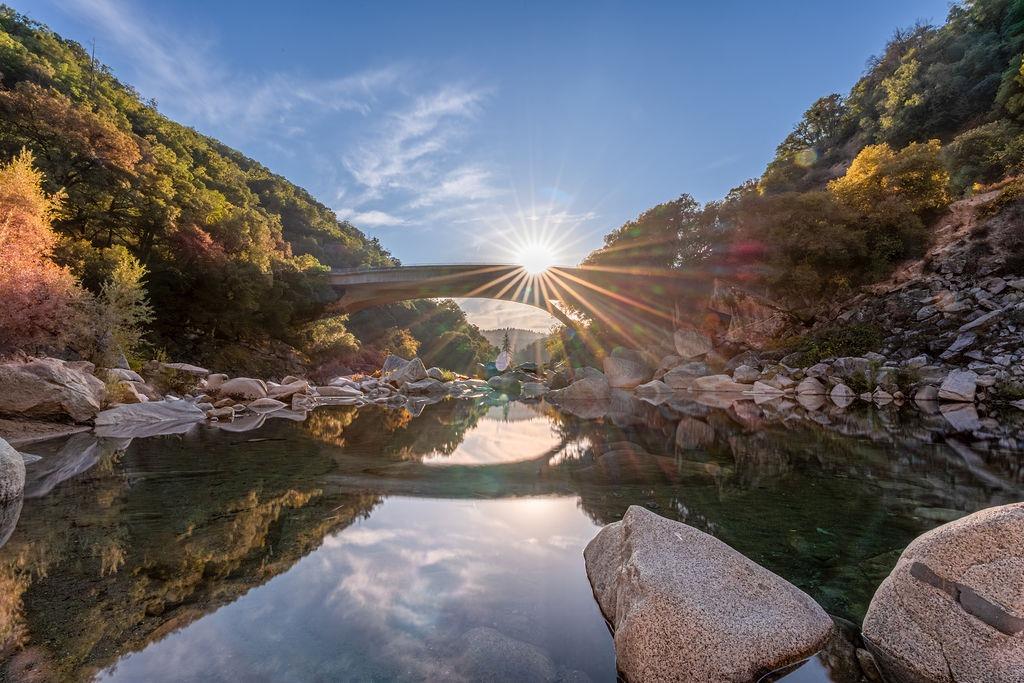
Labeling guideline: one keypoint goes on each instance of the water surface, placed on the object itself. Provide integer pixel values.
(376, 545)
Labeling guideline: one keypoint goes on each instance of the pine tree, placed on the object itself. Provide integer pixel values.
(506, 345)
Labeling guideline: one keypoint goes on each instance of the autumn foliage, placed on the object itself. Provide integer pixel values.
(37, 297)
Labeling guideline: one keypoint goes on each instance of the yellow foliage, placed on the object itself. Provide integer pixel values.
(914, 175)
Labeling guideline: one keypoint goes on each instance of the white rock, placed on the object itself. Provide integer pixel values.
(243, 388)
(959, 385)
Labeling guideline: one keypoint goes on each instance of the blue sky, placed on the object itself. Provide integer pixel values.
(455, 131)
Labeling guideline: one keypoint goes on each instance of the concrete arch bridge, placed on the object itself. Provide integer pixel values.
(624, 298)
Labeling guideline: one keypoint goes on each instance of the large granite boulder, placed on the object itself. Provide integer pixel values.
(686, 607)
(683, 376)
(243, 389)
(50, 388)
(952, 610)
(413, 371)
(12, 473)
(626, 372)
(589, 389)
(959, 385)
(691, 342)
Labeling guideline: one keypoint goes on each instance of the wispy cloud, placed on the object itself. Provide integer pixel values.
(183, 73)
(370, 219)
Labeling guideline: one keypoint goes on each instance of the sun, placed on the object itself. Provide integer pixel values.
(535, 258)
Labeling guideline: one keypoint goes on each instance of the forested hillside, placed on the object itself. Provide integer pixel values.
(854, 189)
(229, 254)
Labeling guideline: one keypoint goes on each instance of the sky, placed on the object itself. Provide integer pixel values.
(467, 131)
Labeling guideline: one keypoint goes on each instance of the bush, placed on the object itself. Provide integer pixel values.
(984, 155)
(914, 176)
(836, 341)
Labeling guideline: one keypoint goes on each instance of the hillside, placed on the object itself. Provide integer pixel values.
(860, 186)
(233, 253)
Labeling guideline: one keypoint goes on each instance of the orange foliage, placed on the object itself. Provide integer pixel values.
(37, 297)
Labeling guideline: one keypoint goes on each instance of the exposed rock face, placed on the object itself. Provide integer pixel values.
(687, 607)
(959, 385)
(243, 388)
(952, 610)
(691, 343)
(589, 389)
(752, 320)
(12, 473)
(625, 373)
(49, 388)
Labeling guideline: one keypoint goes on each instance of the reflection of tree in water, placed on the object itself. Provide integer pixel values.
(395, 434)
(196, 529)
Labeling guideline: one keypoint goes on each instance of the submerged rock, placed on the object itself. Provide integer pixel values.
(686, 607)
(952, 609)
(489, 655)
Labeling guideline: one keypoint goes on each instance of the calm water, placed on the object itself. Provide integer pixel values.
(375, 545)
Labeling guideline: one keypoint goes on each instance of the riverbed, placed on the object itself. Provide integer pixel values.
(372, 544)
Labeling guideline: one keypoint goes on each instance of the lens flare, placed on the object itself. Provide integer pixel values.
(536, 258)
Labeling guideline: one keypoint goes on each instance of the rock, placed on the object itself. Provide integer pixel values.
(412, 371)
(653, 388)
(667, 363)
(745, 374)
(686, 607)
(682, 377)
(587, 372)
(842, 395)
(766, 389)
(339, 391)
(343, 382)
(718, 383)
(186, 368)
(49, 388)
(982, 321)
(392, 363)
(952, 609)
(12, 473)
(215, 381)
(533, 390)
(625, 373)
(754, 321)
(148, 419)
(927, 393)
(265, 405)
(691, 343)
(125, 375)
(809, 386)
(692, 434)
(591, 388)
(963, 341)
(224, 413)
(959, 385)
(850, 367)
(284, 392)
(506, 384)
(436, 373)
(243, 388)
(424, 386)
(129, 393)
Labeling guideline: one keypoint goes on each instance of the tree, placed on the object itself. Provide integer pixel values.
(39, 299)
(915, 175)
(506, 345)
(122, 310)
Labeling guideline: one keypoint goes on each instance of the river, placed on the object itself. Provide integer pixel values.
(378, 545)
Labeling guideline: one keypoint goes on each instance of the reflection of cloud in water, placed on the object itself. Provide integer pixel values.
(399, 595)
(522, 434)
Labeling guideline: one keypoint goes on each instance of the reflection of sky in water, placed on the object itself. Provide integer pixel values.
(510, 433)
(398, 595)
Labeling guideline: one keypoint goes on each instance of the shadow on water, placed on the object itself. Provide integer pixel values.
(373, 544)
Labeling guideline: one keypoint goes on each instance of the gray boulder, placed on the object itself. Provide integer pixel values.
(810, 386)
(589, 389)
(626, 373)
(952, 609)
(392, 363)
(686, 607)
(745, 374)
(50, 388)
(265, 405)
(243, 388)
(533, 390)
(683, 376)
(425, 386)
(718, 383)
(691, 343)
(413, 371)
(959, 385)
(349, 391)
(12, 473)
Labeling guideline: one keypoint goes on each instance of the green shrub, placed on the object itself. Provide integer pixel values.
(835, 341)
